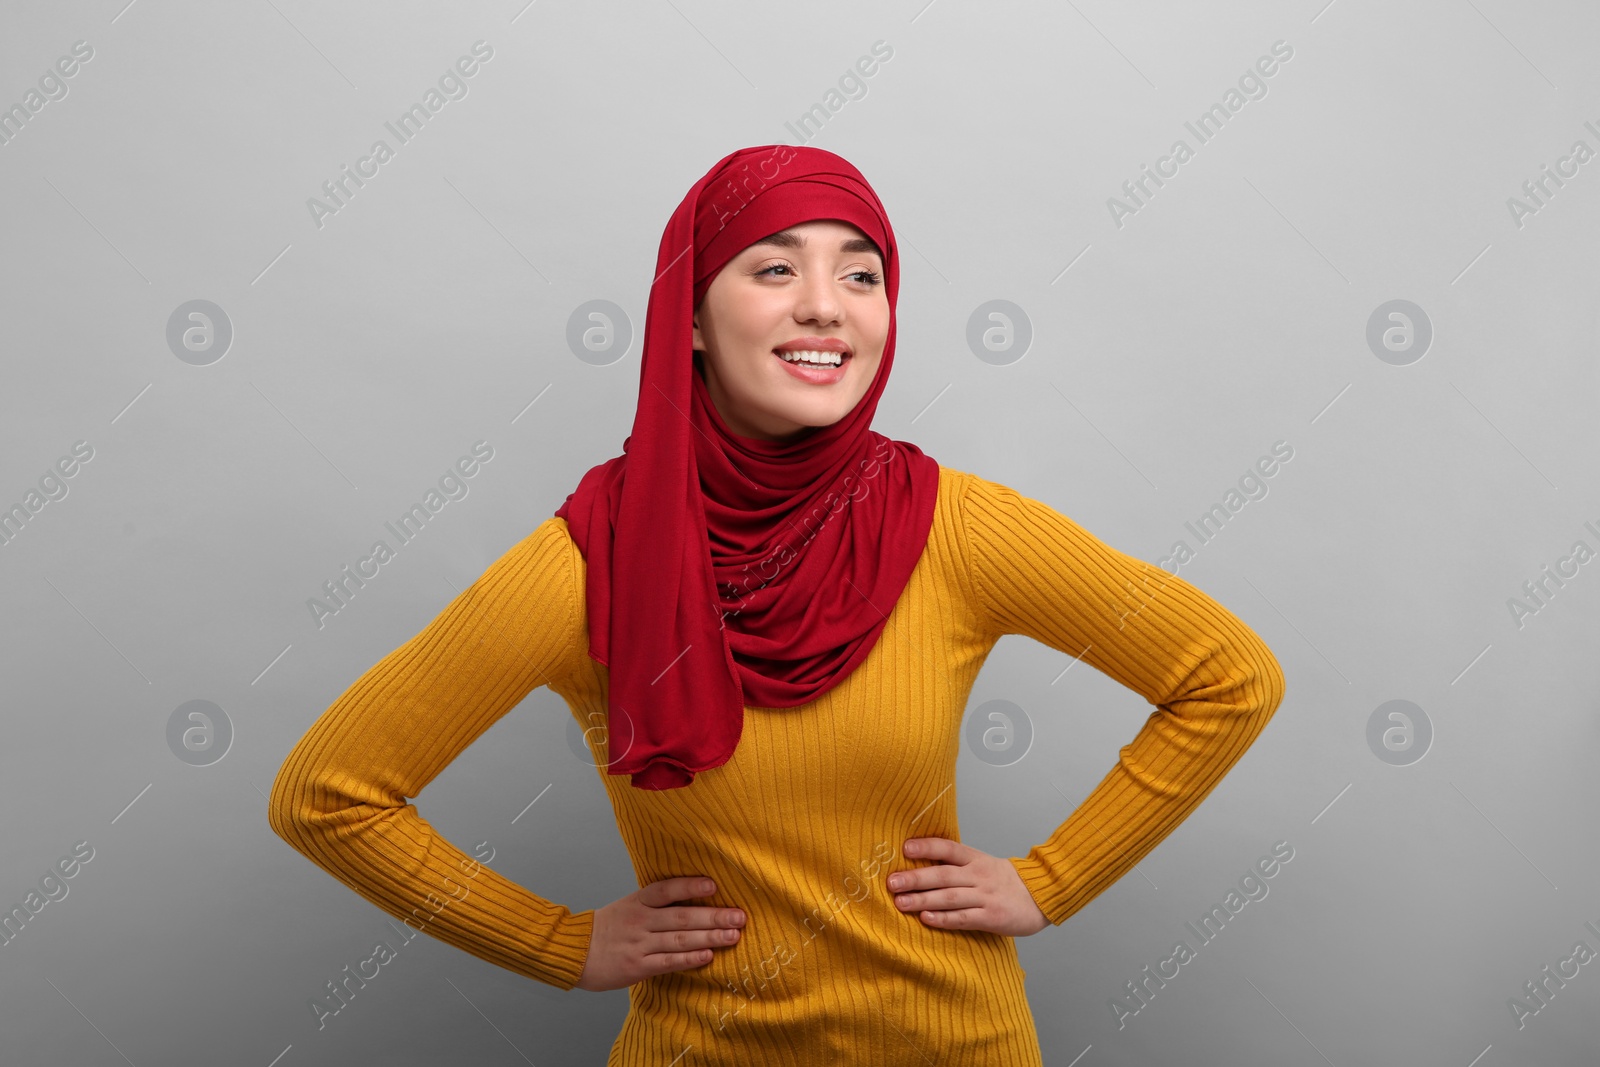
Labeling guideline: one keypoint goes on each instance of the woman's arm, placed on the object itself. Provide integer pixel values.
(340, 797)
(1213, 681)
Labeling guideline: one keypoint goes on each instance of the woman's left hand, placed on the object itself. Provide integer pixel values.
(969, 890)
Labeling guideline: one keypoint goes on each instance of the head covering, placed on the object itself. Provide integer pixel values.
(721, 569)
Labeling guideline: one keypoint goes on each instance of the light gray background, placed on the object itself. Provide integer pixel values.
(1228, 313)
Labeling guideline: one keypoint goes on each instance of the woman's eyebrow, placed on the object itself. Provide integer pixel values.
(790, 239)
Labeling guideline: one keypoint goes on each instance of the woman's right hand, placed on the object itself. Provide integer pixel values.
(647, 933)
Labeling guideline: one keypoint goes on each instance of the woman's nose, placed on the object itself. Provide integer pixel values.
(817, 302)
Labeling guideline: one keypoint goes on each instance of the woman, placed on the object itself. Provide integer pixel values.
(777, 615)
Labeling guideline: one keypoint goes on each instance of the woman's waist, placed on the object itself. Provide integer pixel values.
(793, 958)
(957, 996)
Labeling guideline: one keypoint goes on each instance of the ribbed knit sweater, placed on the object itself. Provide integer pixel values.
(801, 826)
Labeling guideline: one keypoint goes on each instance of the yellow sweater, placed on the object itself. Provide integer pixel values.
(800, 827)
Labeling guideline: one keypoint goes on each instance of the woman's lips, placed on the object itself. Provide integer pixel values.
(813, 373)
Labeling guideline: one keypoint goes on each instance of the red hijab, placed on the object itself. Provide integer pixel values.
(722, 569)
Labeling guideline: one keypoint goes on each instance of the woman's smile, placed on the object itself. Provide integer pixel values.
(818, 360)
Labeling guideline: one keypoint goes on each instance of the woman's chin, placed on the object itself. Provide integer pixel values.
(793, 427)
(811, 423)
(794, 421)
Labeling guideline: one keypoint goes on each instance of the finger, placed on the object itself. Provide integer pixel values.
(689, 942)
(940, 899)
(956, 919)
(660, 894)
(677, 961)
(936, 848)
(693, 918)
(940, 875)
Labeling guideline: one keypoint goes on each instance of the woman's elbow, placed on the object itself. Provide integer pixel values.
(1269, 682)
(284, 809)
(319, 798)
(305, 797)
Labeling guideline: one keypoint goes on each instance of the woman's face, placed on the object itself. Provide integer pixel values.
(815, 285)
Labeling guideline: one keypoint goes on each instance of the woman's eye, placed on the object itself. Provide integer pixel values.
(867, 277)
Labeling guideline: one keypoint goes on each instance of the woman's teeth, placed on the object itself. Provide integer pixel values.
(827, 359)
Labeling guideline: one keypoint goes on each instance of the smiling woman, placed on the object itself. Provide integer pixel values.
(778, 614)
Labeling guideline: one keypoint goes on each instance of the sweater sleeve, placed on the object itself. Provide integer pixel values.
(1213, 682)
(341, 795)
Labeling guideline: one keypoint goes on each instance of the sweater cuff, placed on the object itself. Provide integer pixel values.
(569, 941)
(1037, 880)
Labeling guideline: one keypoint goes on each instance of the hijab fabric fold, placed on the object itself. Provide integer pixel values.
(724, 570)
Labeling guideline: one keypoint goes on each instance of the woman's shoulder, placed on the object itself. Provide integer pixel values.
(957, 487)
(964, 479)
(548, 559)
(989, 516)
(962, 494)
(960, 485)
(551, 537)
